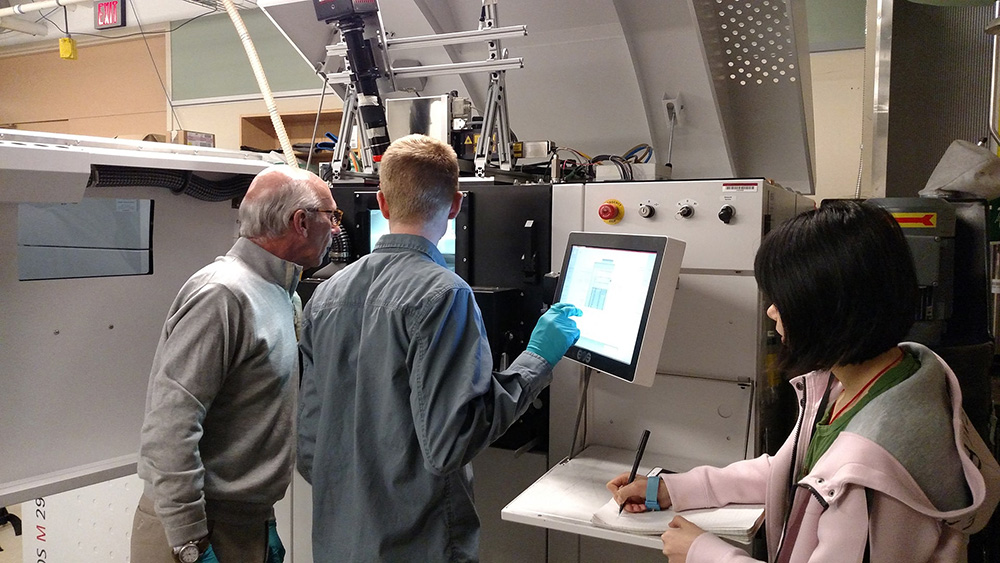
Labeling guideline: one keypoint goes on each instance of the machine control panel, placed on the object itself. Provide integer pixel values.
(721, 220)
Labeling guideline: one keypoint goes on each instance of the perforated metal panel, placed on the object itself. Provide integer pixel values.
(757, 54)
(758, 41)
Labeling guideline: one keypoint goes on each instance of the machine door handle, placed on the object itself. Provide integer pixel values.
(529, 255)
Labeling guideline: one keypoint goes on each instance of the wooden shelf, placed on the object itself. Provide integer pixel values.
(257, 132)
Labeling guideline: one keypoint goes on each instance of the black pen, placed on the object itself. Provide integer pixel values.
(635, 464)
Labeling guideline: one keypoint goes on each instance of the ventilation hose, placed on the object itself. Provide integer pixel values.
(265, 90)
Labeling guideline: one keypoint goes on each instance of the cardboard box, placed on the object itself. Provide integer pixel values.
(193, 138)
(154, 137)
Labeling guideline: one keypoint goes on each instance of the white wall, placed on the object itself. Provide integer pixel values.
(837, 80)
(223, 118)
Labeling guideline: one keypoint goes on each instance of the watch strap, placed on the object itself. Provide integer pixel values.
(652, 491)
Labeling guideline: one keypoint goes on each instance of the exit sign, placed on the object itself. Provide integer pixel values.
(109, 14)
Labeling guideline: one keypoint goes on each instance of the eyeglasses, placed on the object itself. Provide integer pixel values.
(335, 215)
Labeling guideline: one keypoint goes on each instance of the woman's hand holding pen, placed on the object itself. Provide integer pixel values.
(634, 494)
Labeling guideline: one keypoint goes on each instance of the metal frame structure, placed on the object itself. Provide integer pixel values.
(495, 114)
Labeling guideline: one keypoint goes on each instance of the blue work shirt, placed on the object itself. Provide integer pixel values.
(398, 396)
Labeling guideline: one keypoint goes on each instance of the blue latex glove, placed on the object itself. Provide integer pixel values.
(555, 332)
(208, 556)
(275, 550)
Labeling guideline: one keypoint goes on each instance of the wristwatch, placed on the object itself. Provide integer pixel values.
(191, 551)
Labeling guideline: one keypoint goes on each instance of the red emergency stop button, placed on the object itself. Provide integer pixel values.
(611, 211)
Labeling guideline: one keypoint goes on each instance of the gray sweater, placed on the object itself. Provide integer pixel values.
(217, 441)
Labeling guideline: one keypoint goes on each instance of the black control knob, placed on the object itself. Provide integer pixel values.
(685, 211)
(726, 213)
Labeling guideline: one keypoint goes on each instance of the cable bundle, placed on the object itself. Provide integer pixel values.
(581, 168)
(177, 181)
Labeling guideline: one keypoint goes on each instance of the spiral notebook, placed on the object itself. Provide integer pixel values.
(736, 522)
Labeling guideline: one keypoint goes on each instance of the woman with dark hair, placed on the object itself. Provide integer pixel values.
(882, 464)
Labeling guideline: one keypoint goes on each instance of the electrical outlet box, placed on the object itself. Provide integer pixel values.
(67, 48)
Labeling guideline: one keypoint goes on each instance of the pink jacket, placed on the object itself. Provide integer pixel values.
(829, 518)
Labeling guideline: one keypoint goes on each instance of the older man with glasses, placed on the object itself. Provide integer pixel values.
(217, 444)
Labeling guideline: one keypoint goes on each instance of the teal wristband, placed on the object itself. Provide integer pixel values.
(652, 490)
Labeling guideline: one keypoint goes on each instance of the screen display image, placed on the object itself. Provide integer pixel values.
(608, 285)
(379, 225)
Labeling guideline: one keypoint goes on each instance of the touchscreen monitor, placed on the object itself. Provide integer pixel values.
(624, 284)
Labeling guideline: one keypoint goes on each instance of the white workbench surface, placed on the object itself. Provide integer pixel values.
(567, 496)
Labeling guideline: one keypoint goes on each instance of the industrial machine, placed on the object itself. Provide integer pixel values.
(83, 219)
(725, 125)
(949, 242)
(715, 396)
(744, 113)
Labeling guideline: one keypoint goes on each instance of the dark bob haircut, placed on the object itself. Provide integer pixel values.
(843, 281)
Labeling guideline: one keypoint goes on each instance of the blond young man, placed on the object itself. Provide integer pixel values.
(398, 392)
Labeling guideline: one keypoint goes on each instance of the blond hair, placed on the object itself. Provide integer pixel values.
(418, 176)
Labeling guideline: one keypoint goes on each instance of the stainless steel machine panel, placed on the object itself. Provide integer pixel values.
(712, 387)
(714, 328)
(691, 421)
(428, 115)
(711, 243)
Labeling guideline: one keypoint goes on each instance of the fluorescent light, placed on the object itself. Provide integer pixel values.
(24, 26)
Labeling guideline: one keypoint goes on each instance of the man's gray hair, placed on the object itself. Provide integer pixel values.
(267, 216)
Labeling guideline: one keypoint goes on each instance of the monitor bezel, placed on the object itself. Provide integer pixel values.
(367, 201)
(656, 306)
